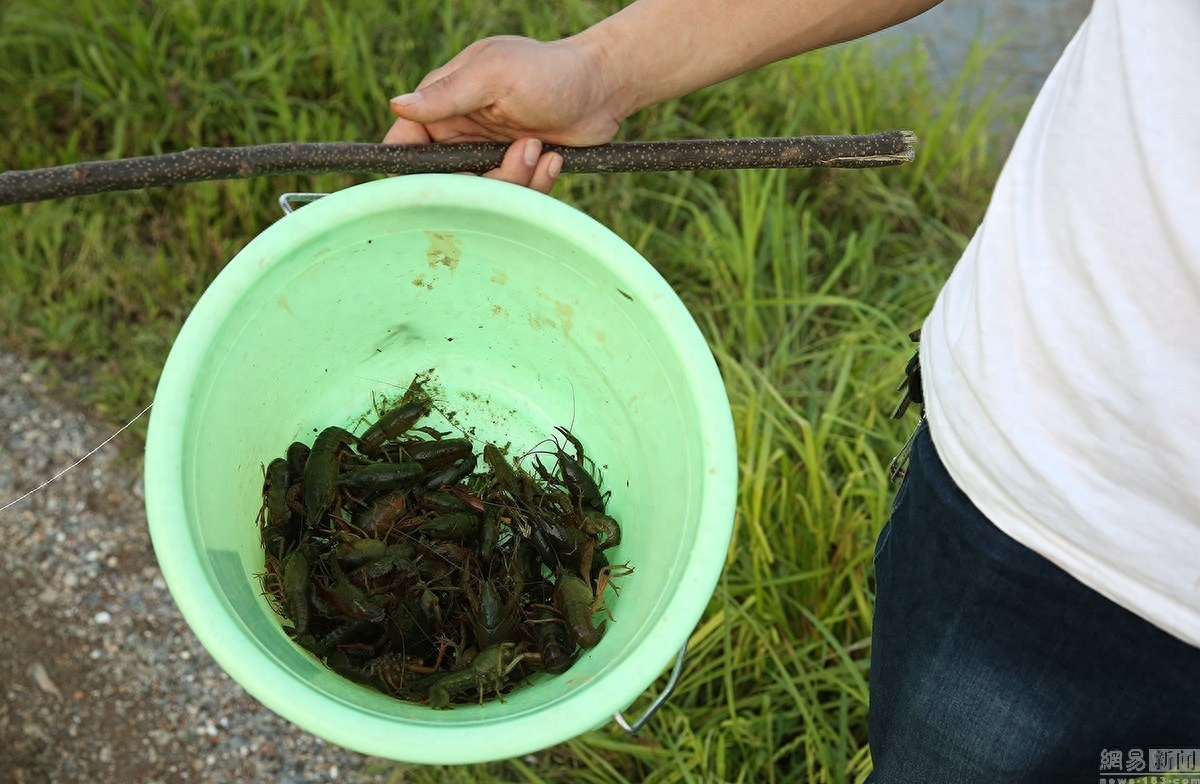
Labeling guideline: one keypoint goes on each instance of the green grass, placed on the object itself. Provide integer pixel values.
(804, 283)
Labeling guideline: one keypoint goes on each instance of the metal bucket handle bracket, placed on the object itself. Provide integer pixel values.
(672, 681)
(290, 202)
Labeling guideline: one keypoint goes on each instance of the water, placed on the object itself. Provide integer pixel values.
(1033, 34)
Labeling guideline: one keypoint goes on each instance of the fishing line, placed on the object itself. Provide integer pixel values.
(94, 450)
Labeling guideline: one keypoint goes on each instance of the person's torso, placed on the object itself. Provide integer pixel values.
(1062, 360)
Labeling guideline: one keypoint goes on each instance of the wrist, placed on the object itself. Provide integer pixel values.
(615, 89)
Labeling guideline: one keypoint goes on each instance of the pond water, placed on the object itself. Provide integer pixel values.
(1032, 34)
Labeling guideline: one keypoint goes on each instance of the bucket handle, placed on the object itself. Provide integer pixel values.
(286, 200)
(672, 681)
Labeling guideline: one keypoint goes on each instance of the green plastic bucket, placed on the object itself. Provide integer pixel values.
(531, 314)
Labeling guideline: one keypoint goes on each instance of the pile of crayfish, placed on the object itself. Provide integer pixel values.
(398, 565)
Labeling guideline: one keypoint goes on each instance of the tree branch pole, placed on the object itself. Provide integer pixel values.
(887, 148)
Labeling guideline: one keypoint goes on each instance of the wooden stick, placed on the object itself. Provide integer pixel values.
(887, 148)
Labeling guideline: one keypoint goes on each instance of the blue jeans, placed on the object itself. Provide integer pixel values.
(991, 664)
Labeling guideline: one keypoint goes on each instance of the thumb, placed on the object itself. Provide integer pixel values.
(450, 96)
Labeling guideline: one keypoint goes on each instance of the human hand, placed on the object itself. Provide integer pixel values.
(516, 89)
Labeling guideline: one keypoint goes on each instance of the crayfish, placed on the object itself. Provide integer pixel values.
(391, 560)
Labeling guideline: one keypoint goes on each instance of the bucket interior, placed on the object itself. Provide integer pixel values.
(522, 325)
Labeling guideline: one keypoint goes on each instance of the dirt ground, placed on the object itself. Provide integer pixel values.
(103, 680)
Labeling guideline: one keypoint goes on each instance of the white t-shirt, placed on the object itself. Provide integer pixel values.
(1061, 362)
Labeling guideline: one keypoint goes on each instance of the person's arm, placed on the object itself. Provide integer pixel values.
(578, 90)
(654, 50)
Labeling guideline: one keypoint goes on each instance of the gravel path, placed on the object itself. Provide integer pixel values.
(103, 680)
